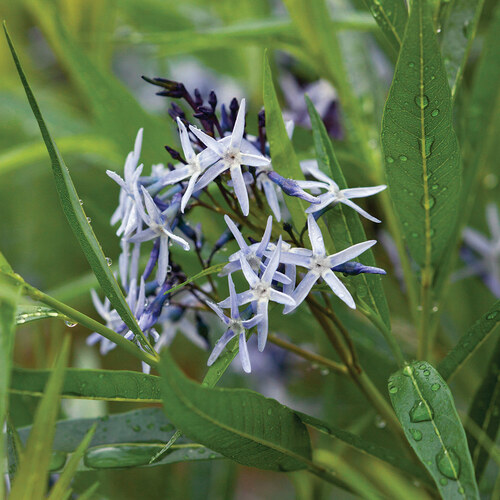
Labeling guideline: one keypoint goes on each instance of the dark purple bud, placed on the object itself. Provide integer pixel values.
(291, 188)
(176, 111)
(190, 233)
(212, 100)
(175, 154)
(198, 100)
(204, 113)
(353, 268)
(153, 311)
(262, 118)
(224, 119)
(234, 107)
(172, 89)
(226, 236)
(153, 258)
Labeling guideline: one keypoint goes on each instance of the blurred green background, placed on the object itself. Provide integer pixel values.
(84, 59)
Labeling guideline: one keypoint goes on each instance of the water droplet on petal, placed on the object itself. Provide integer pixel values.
(416, 434)
(448, 463)
(422, 101)
(421, 412)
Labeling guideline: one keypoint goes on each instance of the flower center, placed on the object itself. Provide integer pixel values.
(232, 157)
(319, 265)
(263, 291)
(237, 326)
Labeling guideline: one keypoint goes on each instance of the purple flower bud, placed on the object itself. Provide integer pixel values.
(176, 111)
(153, 258)
(198, 100)
(175, 155)
(291, 188)
(212, 100)
(353, 268)
(172, 89)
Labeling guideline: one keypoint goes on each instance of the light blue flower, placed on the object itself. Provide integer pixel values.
(195, 166)
(320, 266)
(334, 194)
(232, 152)
(261, 292)
(235, 327)
(158, 227)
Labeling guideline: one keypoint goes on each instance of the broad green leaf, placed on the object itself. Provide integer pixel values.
(391, 16)
(469, 342)
(343, 223)
(111, 103)
(424, 406)
(62, 486)
(285, 161)
(484, 412)
(366, 447)
(9, 295)
(123, 440)
(459, 23)
(30, 482)
(109, 385)
(240, 424)
(20, 156)
(26, 313)
(73, 211)
(420, 147)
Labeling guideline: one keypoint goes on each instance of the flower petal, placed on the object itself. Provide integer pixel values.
(349, 253)
(358, 209)
(338, 288)
(240, 189)
(315, 236)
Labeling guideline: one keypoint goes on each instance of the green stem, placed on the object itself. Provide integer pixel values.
(87, 322)
(424, 333)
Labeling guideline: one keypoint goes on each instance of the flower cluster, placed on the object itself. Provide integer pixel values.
(219, 156)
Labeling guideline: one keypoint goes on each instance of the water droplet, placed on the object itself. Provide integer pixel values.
(114, 456)
(431, 201)
(435, 112)
(212, 455)
(81, 202)
(403, 158)
(269, 412)
(448, 463)
(101, 376)
(414, 235)
(89, 220)
(70, 324)
(461, 490)
(427, 373)
(416, 434)
(389, 159)
(422, 101)
(443, 481)
(411, 65)
(393, 389)
(492, 315)
(150, 426)
(434, 187)
(490, 181)
(420, 308)
(435, 387)
(325, 371)
(201, 451)
(167, 428)
(108, 261)
(57, 460)
(20, 321)
(380, 423)
(465, 29)
(421, 412)
(136, 428)
(423, 366)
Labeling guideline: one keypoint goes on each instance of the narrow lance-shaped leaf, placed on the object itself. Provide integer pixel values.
(420, 147)
(109, 385)
(469, 342)
(458, 31)
(484, 412)
(9, 295)
(343, 224)
(123, 440)
(26, 313)
(391, 16)
(424, 406)
(31, 479)
(73, 211)
(240, 424)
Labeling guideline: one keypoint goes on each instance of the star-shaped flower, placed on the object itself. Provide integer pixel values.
(261, 292)
(334, 194)
(320, 266)
(158, 226)
(233, 152)
(235, 327)
(194, 167)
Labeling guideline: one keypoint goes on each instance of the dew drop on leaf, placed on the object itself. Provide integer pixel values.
(389, 159)
(492, 315)
(435, 387)
(403, 158)
(443, 481)
(448, 463)
(427, 373)
(108, 261)
(435, 112)
(421, 412)
(422, 101)
(269, 412)
(89, 220)
(393, 389)
(416, 434)
(109, 457)
(57, 460)
(70, 324)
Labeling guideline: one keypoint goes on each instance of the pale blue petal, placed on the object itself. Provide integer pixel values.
(187, 148)
(219, 346)
(338, 288)
(262, 325)
(214, 171)
(189, 191)
(273, 264)
(349, 253)
(245, 359)
(358, 209)
(254, 160)
(210, 142)
(302, 290)
(146, 235)
(235, 313)
(236, 233)
(217, 310)
(265, 238)
(249, 273)
(282, 298)
(162, 264)
(239, 127)
(272, 198)
(362, 192)
(315, 236)
(240, 189)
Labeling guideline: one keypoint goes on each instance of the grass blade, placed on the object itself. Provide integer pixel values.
(26, 313)
(469, 342)
(73, 211)
(391, 16)
(30, 482)
(9, 296)
(420, 147)
(424, 406)
(484, 412)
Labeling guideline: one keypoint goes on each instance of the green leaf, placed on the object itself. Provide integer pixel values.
(77, 219)
(484, 412)
(26, 313)
(9, 295)
(343, 223)
(109, 385)
(366, 447)
(240, 424)
(285, 161)
(124, 440)
(421, 150)
(391, 16)
(459, 23)
(469, 342)
(30, 482)
(62, 486)
(424, 406)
